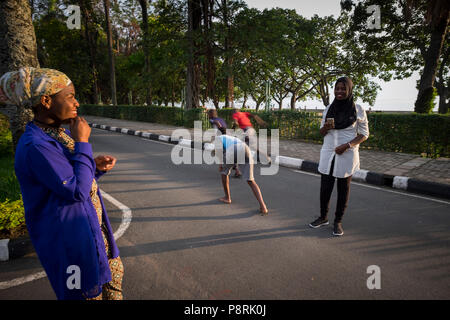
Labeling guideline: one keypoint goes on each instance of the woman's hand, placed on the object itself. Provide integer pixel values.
(342, 148)
(79, 129)
(105, 163)
(326, 127)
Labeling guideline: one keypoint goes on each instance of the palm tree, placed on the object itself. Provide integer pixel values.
(17, 49)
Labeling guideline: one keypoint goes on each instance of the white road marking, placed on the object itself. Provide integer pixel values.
(126, 215)
(124, 224)
(164, 143)
(382, 189)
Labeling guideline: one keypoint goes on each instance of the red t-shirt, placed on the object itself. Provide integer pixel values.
(243, 119)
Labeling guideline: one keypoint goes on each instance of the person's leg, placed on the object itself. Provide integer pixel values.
(113, 289)
(257, 192)
(238, 173)
(343, 194)
(247, 172)
(225, 177)
(326, 189)
(226, 188)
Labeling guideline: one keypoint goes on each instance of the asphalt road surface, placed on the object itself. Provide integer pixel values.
(182, 243)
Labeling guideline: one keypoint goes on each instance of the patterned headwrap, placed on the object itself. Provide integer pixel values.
(26, 86)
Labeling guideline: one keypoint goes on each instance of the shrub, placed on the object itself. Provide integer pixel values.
(12, 219)
(12, 214)
(403, 132)
(6, 146)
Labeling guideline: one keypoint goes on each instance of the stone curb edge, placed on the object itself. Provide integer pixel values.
(379, 179)
(15, 248)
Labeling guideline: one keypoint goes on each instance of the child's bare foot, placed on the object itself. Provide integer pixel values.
(264, 211)
(225, 200)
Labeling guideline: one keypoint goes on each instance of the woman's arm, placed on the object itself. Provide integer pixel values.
(362, 130)
(343, 147)
(70, 180)
(360, 138)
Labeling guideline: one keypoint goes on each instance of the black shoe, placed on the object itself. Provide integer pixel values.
(319, 222)
(338, 231)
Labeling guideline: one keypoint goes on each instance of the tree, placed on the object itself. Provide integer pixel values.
(112, 73)
(333, 53)
(404, 43)
(442, 82)
(437, 18)
(193, 64)
(207, 37)
(148, 92)
(17, 49)
(91, 35)
(227, 44)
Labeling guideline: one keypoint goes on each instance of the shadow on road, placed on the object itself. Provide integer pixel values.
(219, 239)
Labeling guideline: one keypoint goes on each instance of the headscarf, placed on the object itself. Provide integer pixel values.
(343, 111)
(26, 86)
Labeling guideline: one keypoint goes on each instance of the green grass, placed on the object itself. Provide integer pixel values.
(9, 186)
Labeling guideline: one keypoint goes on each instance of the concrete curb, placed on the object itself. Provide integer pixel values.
(15, 248)
(379, 179)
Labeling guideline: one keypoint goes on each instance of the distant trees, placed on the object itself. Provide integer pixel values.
(221, 51)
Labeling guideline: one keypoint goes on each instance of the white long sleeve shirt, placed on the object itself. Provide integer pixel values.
(347, 163)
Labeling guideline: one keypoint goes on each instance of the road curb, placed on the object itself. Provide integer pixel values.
(15, 248)
(379, 179)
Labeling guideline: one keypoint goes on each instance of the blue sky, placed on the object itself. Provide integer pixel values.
(395, 95)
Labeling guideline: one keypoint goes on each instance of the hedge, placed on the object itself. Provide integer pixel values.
(12, 218)
(423, 134)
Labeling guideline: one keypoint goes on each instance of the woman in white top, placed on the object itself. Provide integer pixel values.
(344, 126)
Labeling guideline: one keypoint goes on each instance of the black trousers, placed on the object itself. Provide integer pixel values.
(343, 193)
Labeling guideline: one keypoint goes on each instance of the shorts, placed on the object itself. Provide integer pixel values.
(245, 168)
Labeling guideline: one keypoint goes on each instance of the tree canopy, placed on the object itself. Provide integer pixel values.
(234, 50)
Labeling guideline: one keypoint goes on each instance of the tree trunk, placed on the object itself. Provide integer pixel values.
(86, 8)
(193, 67)
(17, 49)
(245, 101)
(427, 79)
(208, 9)
(441, 83)
(443, 92)
(173, 96)
(216, 102)
(229, 96)
(230, 90)
(293, 99)
(112, 74)
(148, 91)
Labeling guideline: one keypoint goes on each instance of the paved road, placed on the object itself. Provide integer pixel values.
(184, 244)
